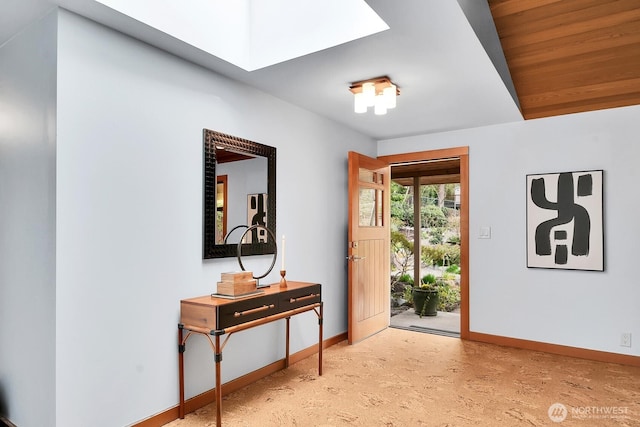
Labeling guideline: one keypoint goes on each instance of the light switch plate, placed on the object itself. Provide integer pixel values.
(485, 232)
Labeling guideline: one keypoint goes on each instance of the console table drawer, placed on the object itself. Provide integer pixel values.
(296, 298)
(247, 310)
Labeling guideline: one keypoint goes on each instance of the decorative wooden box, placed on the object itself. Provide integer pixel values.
(237, 283)
(236, 276)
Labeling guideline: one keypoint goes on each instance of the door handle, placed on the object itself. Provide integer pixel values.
(355, 257)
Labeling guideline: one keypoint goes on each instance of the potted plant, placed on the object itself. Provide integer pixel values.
(425, 296)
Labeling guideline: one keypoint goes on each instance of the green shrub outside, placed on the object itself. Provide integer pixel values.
(432, 216)
(401, 252)
(408, 295)
(399, 242)
(449, 297)
(406, 278)
(436, 235)
(454, 240)
(453, 268)
(435, 254)
(429, 279)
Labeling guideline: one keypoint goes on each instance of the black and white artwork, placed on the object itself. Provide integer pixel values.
(257, 215)
(564, 221)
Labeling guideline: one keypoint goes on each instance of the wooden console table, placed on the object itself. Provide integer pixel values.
(211, 316)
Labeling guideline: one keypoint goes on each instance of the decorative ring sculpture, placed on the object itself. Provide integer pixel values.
(234, 229)
(275, 253)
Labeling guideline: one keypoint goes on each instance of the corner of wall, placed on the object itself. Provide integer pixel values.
(27, 222)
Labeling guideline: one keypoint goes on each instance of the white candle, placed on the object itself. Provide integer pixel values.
(282, 253)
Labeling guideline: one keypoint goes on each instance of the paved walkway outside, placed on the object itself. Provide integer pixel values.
(443, 324)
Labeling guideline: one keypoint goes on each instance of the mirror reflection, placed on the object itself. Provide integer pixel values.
(239, 191)
(243, 179)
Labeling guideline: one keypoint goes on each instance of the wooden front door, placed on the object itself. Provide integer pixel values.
(369, 240)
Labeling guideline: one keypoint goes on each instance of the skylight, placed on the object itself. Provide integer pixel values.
(254, 34)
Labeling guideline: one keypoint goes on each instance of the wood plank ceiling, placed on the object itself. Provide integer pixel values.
(569, 56)
(445, 171)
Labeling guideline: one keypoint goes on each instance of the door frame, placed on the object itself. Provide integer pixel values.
(463, 154)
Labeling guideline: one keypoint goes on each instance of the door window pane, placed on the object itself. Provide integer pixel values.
(367, 207)
(370, 214)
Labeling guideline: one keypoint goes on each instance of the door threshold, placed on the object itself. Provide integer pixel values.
(432, 331)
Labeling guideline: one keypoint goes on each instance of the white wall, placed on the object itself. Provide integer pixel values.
(129, 227)
(573, 308)
(27, 224)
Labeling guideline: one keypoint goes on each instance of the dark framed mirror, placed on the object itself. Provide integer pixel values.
(239, 191)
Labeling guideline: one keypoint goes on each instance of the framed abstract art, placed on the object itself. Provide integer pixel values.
(565, 220)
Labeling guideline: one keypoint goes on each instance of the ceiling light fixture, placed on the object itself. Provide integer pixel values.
(379, 93)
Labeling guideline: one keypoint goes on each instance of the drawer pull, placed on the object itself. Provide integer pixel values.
(253, 310)
(292, 300)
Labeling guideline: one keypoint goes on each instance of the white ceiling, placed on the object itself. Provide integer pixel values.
(254, 34)
(446, 77)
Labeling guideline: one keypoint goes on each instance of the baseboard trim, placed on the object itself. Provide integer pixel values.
(209, 396)
(562, 350)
